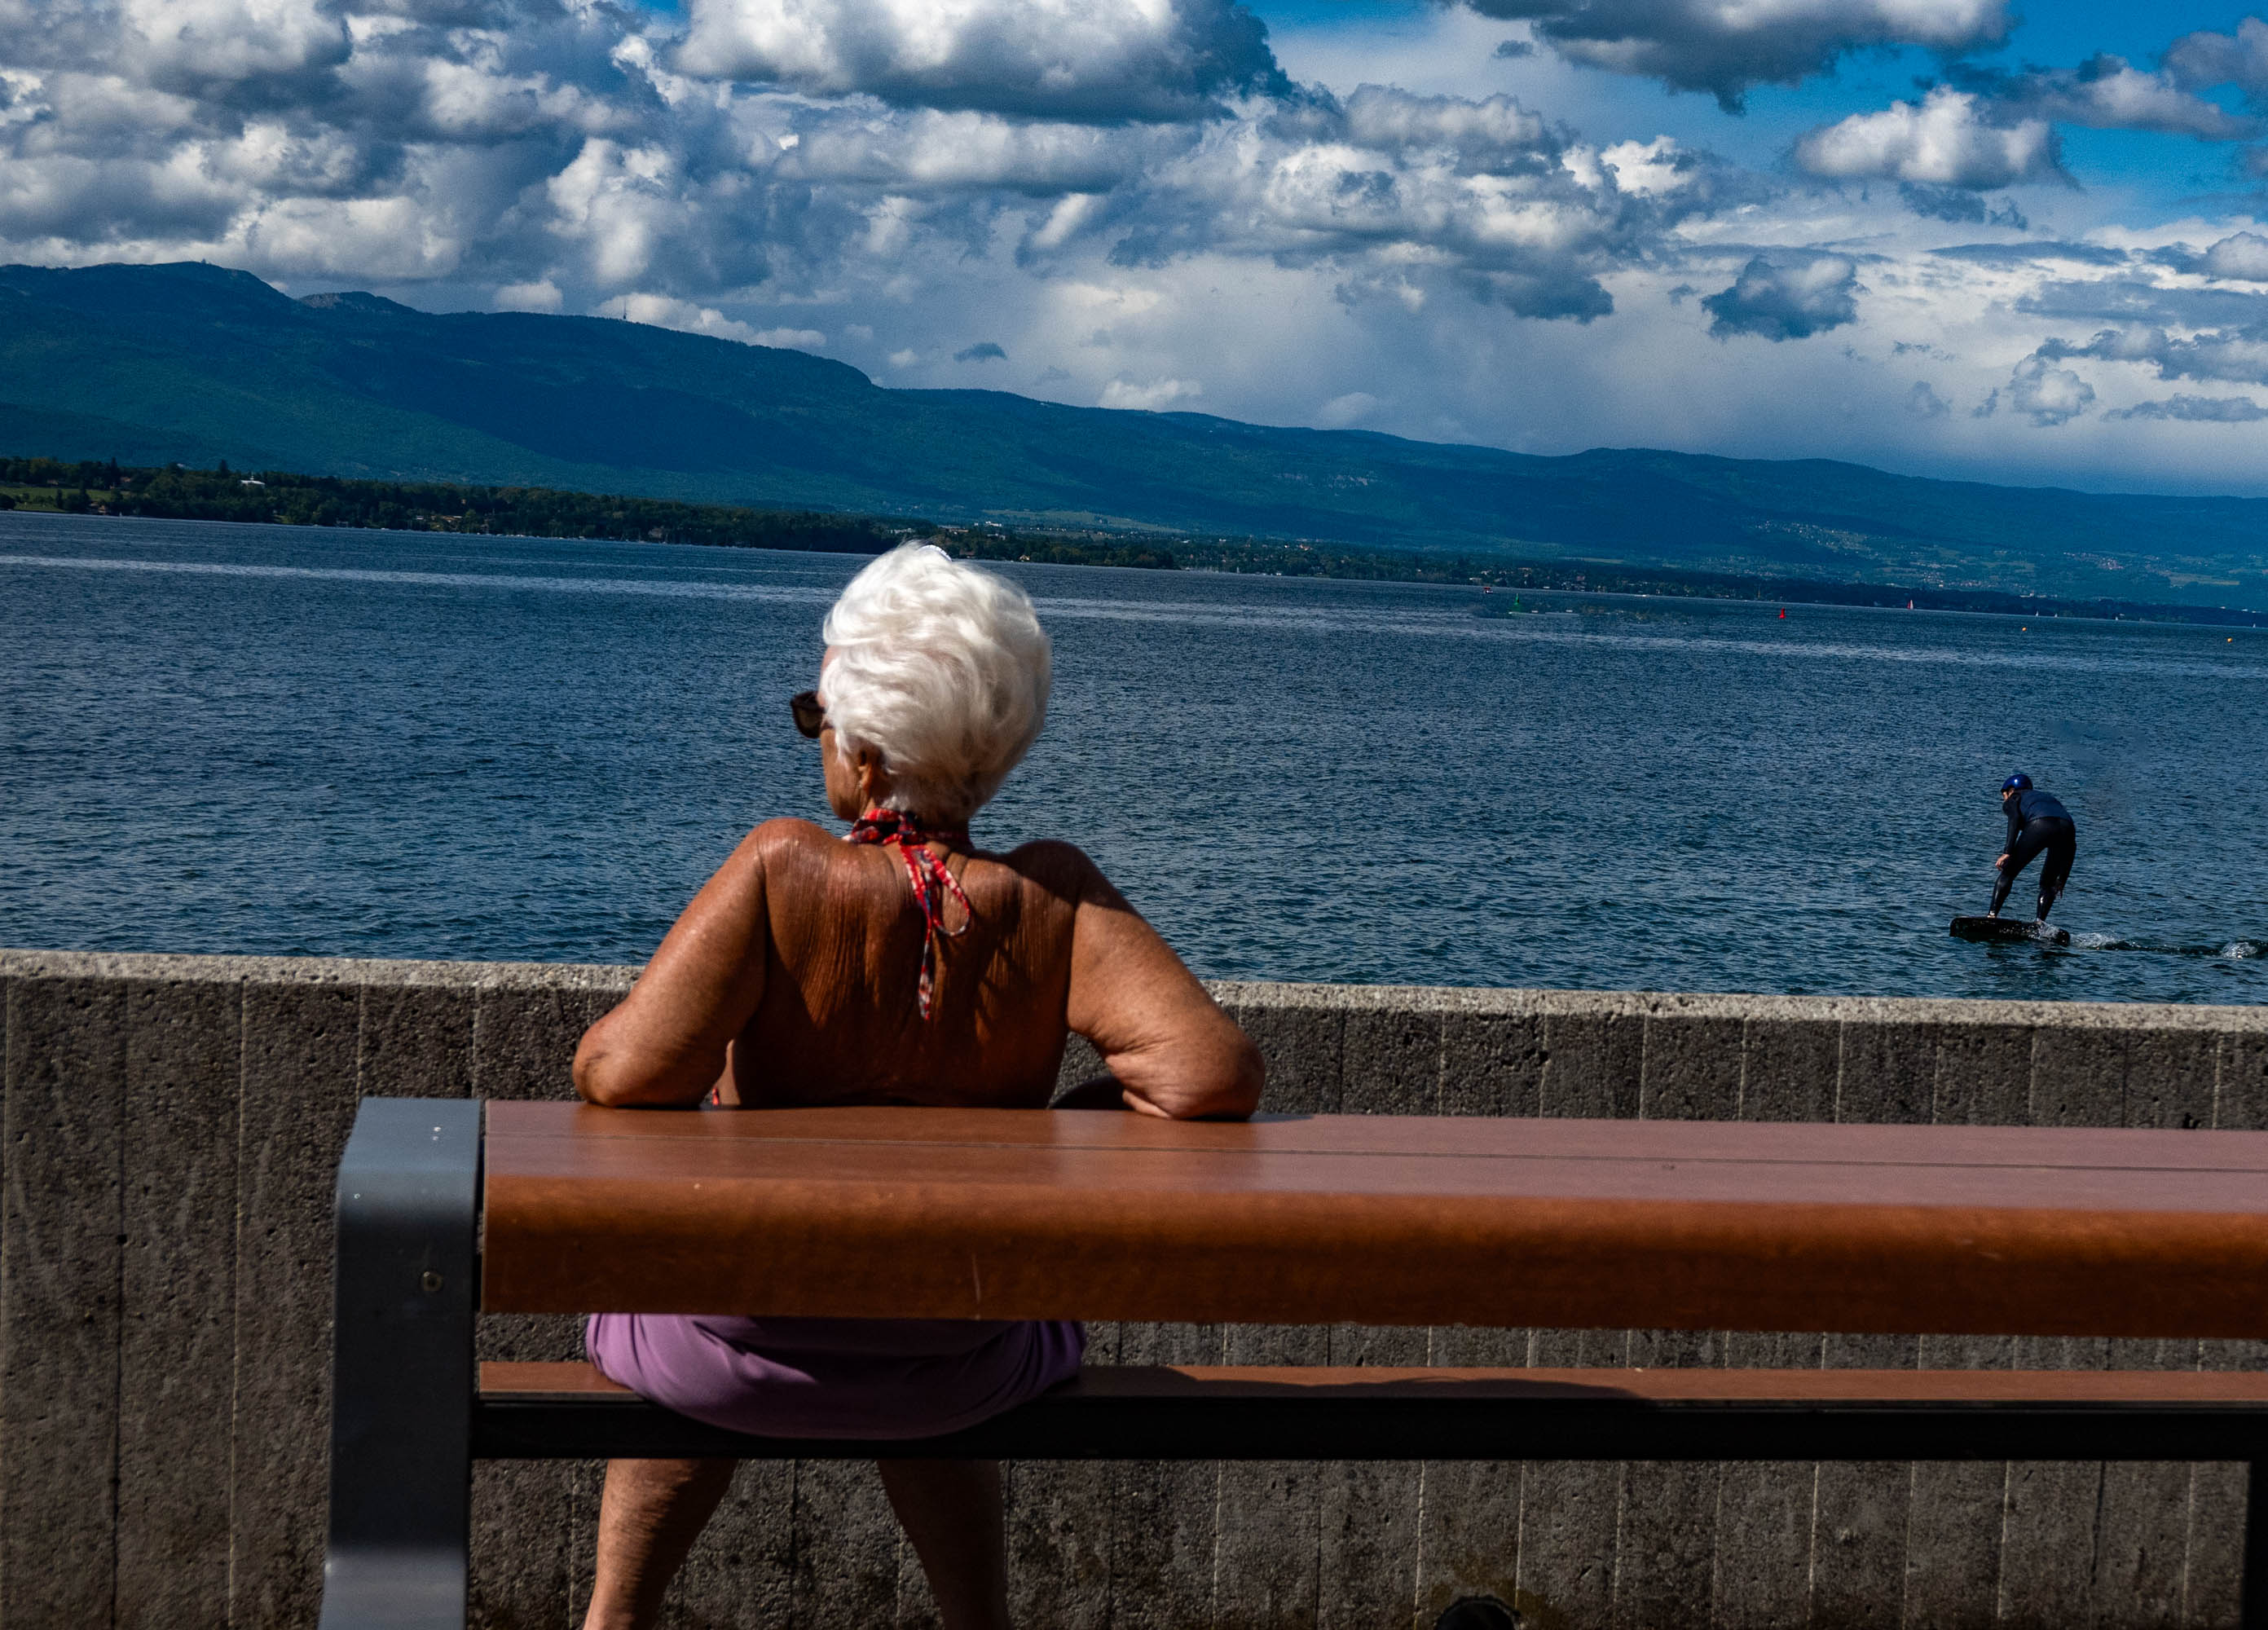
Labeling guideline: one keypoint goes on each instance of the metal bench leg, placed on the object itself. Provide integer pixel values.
(402, 1367)
(2252, 1613)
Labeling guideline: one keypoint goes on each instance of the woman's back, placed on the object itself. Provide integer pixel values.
(794, 978)
(840, 1019)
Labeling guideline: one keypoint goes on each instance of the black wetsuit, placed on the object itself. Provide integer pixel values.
(2036, 822)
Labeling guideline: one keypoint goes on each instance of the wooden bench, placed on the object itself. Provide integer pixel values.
(1368, 1219)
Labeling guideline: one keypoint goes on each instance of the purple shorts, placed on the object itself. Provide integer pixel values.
(833, 1378)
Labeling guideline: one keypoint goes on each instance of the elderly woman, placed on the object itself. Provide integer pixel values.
(901, 966)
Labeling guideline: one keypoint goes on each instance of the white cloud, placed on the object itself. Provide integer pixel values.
(391, 239)
(930, 152)
(205, 48)
(2240, 256)
(2105, 93)
(1648, 168)
(1151, 397)
(1949, 140)
(662, 311)
(1340, 411)
(1065, 218)
(2048, 396)
(789, 339)
(541, 296)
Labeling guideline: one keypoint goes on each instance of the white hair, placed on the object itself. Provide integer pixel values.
(944, 670)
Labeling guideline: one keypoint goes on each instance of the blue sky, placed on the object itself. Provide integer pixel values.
(1953, 236)
(2159, 171)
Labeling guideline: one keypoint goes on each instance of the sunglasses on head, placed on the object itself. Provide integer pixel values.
(810, 718)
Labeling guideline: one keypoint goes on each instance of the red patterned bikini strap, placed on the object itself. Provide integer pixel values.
(927, 875)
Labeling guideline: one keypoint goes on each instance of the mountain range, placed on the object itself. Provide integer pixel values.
(195, 364)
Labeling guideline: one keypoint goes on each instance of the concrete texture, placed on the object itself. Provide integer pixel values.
(171, 1126)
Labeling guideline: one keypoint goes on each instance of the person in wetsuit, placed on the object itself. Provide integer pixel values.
(2036, 823)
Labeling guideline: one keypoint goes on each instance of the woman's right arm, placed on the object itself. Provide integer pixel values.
(1172, 1050)
(666, 1042)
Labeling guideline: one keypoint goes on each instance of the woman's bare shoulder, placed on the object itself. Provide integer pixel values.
(789, 835)
(786, 848)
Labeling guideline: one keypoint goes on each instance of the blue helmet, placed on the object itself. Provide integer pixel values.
(2017, 783)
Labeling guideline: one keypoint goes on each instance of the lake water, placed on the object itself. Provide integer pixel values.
(384, 744)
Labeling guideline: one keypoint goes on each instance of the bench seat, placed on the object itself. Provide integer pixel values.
(570, 1411)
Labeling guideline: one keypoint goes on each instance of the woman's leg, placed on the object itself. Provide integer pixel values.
(951, 1510)
(648, 1519)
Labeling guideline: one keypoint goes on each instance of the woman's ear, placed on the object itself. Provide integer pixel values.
(866, 764)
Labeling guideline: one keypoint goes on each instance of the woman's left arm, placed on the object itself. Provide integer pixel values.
(665, 1043)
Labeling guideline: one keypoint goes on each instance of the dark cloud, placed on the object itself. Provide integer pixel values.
(2227, 356)
(1492, 135)
(1109, 61)
(2196, 409)
(1700, 45)
(2008, 255)
(1943, 203)
(983, 351)
(1557, 293)
(1513, 48)
(2104, 92)
(1792, 299)
(2125, 299)
(1923, 402)
(1508, 208)
(2205, 60)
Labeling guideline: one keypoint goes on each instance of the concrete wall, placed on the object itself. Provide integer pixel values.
(170, 1126)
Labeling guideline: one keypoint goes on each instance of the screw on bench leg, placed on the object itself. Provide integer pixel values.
(401, 1368)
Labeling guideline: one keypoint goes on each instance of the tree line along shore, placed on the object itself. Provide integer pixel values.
(175, 493)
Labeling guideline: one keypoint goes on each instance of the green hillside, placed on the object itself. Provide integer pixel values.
(197, 363)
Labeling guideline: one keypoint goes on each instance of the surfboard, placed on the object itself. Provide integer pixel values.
(2002, 930)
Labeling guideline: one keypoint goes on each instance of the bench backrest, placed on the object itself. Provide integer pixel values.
(1377, 1219)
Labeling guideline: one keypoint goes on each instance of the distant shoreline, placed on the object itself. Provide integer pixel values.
(279, 497)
